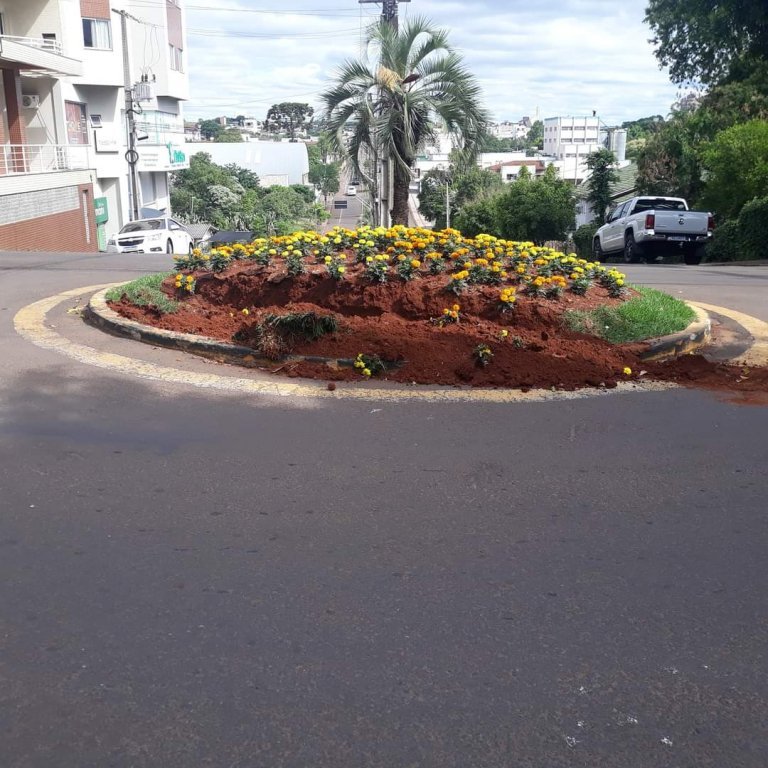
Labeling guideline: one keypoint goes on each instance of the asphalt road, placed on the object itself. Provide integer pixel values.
(190, 577)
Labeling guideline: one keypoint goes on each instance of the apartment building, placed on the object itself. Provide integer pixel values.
(64, 164)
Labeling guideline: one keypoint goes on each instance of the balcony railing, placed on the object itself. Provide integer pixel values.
(18, 159)
(54, 46)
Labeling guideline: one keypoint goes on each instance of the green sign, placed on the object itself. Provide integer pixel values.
(102, 210)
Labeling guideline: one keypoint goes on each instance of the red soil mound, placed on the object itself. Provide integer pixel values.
(395, 321)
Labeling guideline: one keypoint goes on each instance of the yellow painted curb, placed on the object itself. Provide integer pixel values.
(757, 354)
(29, 323)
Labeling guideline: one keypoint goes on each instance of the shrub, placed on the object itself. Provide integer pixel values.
(724, 245)
(753, 229)
(582, 239)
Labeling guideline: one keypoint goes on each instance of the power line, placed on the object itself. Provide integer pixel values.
(270, 35)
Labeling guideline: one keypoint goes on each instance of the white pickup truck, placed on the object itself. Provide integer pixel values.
(644, 228)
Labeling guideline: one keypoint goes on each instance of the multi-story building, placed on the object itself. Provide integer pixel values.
(569, 140)
(64, 160)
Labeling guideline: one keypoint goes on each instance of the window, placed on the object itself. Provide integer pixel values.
(176, 59)
(2, 24)
(97, 33)
(95, 121)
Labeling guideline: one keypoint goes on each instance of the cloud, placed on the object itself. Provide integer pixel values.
(565, 57)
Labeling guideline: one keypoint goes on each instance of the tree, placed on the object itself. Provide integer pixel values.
(478, 218)
(536, 209)
(670, 163)
(709, 42)
(602, 165)
(466, 184)
(325, 177)
(229, 137)
(289, 116)
(210, 129)
(737, 162)
(493, 144)
(390, 102)
(535, 137)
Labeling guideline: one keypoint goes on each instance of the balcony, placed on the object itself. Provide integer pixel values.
(37, 53)
(26, 159)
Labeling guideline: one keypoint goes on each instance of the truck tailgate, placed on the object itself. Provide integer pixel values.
(681, 223)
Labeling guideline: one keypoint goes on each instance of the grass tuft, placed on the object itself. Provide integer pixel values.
(146, 292)
(647, 316)
(306, 325)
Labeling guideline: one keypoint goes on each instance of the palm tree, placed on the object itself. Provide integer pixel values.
(389, 103)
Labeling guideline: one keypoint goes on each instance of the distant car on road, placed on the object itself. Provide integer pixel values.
(351, 190)
(157, 235)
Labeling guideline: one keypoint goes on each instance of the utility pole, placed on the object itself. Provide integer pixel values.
(131, 156)
(388, 9)
(447, 204)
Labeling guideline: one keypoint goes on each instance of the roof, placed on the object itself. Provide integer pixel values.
(225, 236)
(530, 161)
(622, 189)
(199, 231)
(283, 160)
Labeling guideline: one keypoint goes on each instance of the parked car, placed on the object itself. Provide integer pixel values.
(644, 228)
(351, 190)
(157, 235)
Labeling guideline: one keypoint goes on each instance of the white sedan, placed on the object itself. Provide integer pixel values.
(351, 190)
(158, 235)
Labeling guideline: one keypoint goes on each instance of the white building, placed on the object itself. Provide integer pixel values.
(64, 173)
(275, 162)
(569, 140)
(510, 130)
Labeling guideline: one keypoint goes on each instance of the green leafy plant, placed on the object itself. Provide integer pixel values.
(483, 354)
(376, 268)
(369, 365)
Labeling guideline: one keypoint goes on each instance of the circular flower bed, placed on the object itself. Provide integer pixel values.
(410, 305)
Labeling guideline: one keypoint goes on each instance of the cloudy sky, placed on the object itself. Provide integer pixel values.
(562, 57)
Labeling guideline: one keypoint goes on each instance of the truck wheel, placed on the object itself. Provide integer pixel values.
(597, 251)
(692, 256)
(632, 252)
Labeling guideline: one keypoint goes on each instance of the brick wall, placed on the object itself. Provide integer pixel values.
(61, 231)
(94, 9)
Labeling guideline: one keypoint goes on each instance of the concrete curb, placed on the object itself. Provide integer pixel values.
(98, 313)
(695, 336)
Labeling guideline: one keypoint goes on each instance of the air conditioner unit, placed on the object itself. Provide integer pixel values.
(30, 101)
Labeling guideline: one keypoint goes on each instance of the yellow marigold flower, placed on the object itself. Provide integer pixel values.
(179, 277)
(337, 240)
(503, 333)
(455, 315)
(627, 371)
(455, 307)
(415, 263)
(272, 252)
(619, 283)
(327, 259)
(366, 371)
(401, 257)
(446, 311)
(368, 259)
(342, 270)
(245, 311)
